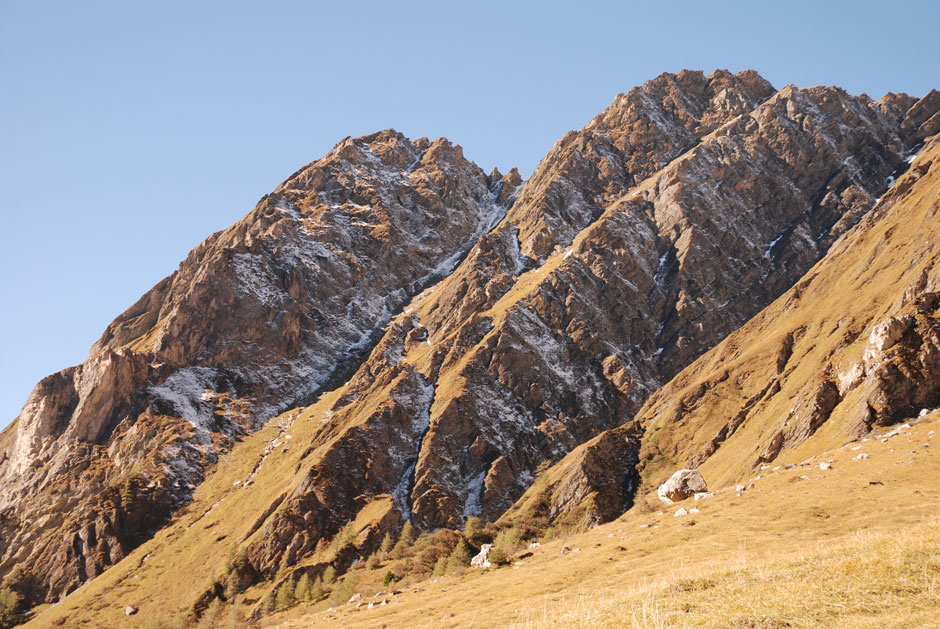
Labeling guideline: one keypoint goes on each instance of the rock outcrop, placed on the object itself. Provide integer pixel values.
(474, 329)
(769, 392)
(258, 319)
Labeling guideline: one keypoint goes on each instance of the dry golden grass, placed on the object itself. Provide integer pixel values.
(829, 550)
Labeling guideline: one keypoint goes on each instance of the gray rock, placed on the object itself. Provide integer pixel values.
(130, 611)
(682, 485)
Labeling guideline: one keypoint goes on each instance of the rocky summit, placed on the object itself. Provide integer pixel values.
(711, 276)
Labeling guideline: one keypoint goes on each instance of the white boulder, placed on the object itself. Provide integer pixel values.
(482, 559)
(681, 485)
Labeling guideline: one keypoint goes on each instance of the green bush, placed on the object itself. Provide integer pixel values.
(286, 594)
(302, 591)
(9, 608)
(405, 540)
(386, 547)
(460, 557)
(343, 590)
(498, 556)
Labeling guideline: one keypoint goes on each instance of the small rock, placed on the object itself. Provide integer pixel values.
(355, 597)
(860, 456)
(804, 477)
(825, 465)
(693, 510)
(703, 495)
(371, 605)
(130, 610)
(680, 512)
(739, 488)
(536, 544)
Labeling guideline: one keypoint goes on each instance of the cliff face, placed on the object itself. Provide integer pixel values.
(528, 350)
(852, 346)
(256, 320)
(469, 328)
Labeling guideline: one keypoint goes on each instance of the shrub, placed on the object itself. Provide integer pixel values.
(460, 557)
(212, 615)
(269, 602)
(285, 595)
(329, 575)
(498, 556)
(386, 546)
(440, 568)
(302, 591)
(405, 540)
(317, 590)
(389, 578)
(9, 608)
(343, 590)
(508, 541)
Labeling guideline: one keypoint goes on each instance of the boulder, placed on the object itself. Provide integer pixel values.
(682, 485)
(482, 559)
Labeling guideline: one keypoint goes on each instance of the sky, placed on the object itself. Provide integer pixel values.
(130, 131)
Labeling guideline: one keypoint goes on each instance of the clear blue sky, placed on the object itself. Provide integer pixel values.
(129, 131)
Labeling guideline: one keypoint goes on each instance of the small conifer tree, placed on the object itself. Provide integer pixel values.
(405, 540)
(302, 592)
(317, 590)
(460, 557)
(285, 595)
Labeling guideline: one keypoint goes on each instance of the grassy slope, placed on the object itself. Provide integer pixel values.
(731, 533)
(832, 549)
(831, 311)
(166, 574)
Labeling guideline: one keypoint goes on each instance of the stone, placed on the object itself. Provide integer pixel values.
(680, 512)
(130, 610)
(825, 465)
(481, 560)
(681, 485)
(355, 597)
(703, 495)
(861, 456)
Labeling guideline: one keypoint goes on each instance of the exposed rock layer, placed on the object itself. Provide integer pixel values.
(639, 242)
(852, 346)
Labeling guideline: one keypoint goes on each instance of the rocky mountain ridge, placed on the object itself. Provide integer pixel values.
(564, 303)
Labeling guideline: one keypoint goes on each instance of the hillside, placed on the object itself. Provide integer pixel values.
(711, 273)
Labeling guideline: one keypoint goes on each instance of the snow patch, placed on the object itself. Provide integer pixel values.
(473, 507)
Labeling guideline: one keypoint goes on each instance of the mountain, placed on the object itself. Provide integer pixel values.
(258, 319)
(850, 348)
(393, 335)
